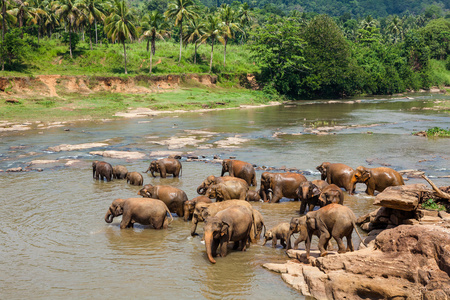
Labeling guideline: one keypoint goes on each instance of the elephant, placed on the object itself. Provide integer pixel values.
(139, 210)
(240, 169)
(135, 178)
(309, 192)
(232, 224)
(259, 225)
(102, 170)
(120, 172)
(253, 196)
(173, 197)
(204, 210)
(377, 179)
(280, 185)
(298, 225)
(227, 191)
(279, 232)
(189, 206)
(339, 174)
(165, 166)
(333, 220)
(331, 194)
(211, 180)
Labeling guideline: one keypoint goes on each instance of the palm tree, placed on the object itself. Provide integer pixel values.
(26, 11)
(94, 12)
(229, 26)
(70, 12)
(119, 26)
(395, 28)
(154, 27)
(368, 22)
(213, 31)
(193, 34)
(180, 10)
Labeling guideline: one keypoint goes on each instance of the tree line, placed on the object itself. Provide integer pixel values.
(300, 54)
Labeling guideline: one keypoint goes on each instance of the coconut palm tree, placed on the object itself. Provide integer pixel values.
(395, 28)
(95, 11)
(213, 31)
(229, 26)
(368, 22)
(70, 12)
(181, 10)
(119, 26)
(193, 33)
(26, 13)
(154, 27)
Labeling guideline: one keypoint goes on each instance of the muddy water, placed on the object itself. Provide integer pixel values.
(54, 242)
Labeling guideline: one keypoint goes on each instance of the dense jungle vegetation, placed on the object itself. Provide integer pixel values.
(299, 49)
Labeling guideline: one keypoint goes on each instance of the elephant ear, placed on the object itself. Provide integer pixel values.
(224, 229)
(310, 221)
(315, 190)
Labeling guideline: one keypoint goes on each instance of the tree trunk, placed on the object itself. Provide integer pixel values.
(96, 36)
(3, 29)
(225, 51)
(70, 39)
(195, 53)
(125, 56)
(90, 39)
(151, 61)
(210, 61)
(181, 39)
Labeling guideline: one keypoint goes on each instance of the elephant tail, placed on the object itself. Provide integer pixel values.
(170, 214)
(357, 232)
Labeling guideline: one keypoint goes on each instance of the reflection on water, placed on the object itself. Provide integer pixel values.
(55, 243)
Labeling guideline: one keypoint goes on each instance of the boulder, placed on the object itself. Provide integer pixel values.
(402, 197)
(119, 154)
(67, 147)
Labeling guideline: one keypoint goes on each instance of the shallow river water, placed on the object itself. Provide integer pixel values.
(54, 242)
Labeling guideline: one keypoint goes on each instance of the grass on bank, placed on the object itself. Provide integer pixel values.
(439, 132)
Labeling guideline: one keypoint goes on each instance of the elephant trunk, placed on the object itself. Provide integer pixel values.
(109, 216)
(153, 172)
(305, 192)
(201, 190)
(186, 211)
(209, 245)
(288, 242)
(353, 182)
(194, 225)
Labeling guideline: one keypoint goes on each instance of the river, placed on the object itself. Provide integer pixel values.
(54, 242)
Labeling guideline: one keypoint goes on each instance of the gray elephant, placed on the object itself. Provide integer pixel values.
(333, 220)
(144, 211)
(211, 180)
(275, 186)
(377, 179)
(227, 191)
(102, 170)
(309, 192)
(232, 224)
(165, 166)
(331, 194)
(135, 178)
(298, 225)
(240, 169)
(278, 232)
(173, 197)
(339, 174)
(120, 172)
(258, 220)
(189, 206)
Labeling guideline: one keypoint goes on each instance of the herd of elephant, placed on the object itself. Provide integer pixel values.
(231, 218)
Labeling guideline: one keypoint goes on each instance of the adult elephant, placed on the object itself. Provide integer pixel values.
(165, 166)
(173, 197)
(232, 224)
(211, 180)
(135, 178)
(240, 169)
(339, 174)
(275, 186)
(189, 206)
(333, 220)
(331, 194)
(205, 210)
(227, 191)
(102, 170)
(120, 172)
(377, 179)
(139, 210)
(309, 192)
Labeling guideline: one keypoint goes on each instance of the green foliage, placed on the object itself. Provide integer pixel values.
(437, 131)
(436, 35)
(431, 204)
(72, 38)
(13, 49)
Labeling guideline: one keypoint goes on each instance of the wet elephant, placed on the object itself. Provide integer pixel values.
(278, 232)
(165, 166)
(253, 196)
(339, 174)
(173, 197)
(377, 179)
(333, 220)
(258, 219)
(211, 180)
(227, 191)
(240, 169)
(120, 172)
(275, 186)
(232, 224)
(189, 206)
(135, 178)
(144, 211)
(298, 225)
(102, 170)
(331, 194)
(309, 192)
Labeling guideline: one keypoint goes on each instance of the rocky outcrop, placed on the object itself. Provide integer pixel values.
(406, 262)
(119, 154)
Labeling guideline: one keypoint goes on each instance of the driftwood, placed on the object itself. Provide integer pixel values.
(437, 191)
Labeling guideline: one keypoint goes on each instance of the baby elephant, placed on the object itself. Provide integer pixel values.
(120, 172)
(189, 206)
(331, 194)
(253, 196)
(281, 232)
(135, 178)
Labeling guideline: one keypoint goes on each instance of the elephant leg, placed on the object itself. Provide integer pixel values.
(341, 247)
(223, 248)
(302, 207)
(311, 207)
(166, 223)
(349, 243)
(323, 240)
(243, 244)
(126, 222)
(276, 197)
(283, 243)
(274, 242)
(236, 245)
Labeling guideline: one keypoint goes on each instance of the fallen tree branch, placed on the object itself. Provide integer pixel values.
(437, 191)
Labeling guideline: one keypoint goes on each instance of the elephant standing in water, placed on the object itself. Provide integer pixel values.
(120, 172)
(173, 197)
(279, 232)
(309, 192)
(102, 170)
(211, 180)
(232, 224)
(189, 206)
(275, 186)
(240, 169)
(135, 178)
(165, 166)
(227, 191)
(339, 174)
(331, 194)
(139, 210)
(377, 179)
